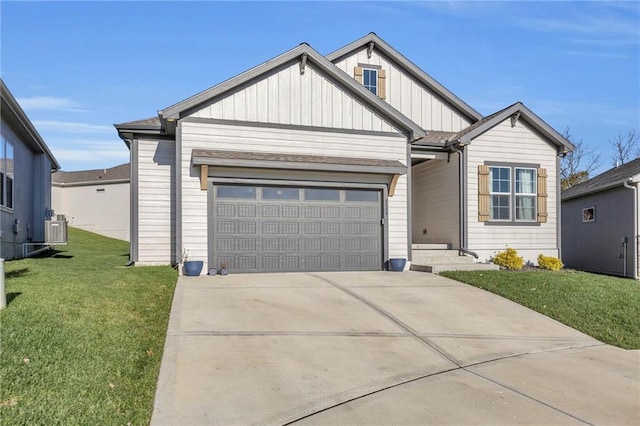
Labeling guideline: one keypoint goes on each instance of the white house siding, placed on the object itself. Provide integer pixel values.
(519, 144)
(156, 201)
(288, 97)
(408, 95)
(103, 209)
(435, 202)
(203, 135)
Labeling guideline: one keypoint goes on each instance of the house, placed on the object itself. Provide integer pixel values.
(600, 223)
(26, 164)
(340, 162)
(95, 200)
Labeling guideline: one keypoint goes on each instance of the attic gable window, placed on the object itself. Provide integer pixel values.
(373, 78)
(370, 80)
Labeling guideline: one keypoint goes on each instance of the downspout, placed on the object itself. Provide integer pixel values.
(635, 227)
(462, 202)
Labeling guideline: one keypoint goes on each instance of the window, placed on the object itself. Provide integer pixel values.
(589, 214)
(370, 80)
(275, 193)
(321, 194)
(361, 195)
(512, 194)
(6, 174)
(231, 191)
(373, 78)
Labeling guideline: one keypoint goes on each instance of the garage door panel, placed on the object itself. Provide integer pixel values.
(297, 229)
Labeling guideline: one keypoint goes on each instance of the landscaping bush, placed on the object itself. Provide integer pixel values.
(509, 259)
(549, 262)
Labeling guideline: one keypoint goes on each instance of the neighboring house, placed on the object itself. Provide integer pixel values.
(95, 200)
(339, 162)
(600, 223)
(26, 164)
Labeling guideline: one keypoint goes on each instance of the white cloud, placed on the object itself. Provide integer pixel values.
(49, 103)
(85, 155)
(72, 127)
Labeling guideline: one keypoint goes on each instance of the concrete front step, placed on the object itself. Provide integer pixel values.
(428, 260)
(437, 268)
(421, 246)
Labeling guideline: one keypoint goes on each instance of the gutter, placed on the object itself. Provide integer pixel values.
(462, 205)
(636, 237)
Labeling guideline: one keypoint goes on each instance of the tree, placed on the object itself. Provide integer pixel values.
(576, 166)
(625, 147)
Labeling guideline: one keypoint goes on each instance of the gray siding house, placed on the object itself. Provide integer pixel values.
(95, 200)
(600, 223)
(339, 162)
(26, 164)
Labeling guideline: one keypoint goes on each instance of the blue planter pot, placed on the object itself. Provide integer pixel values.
(398, 264)
(192, 268)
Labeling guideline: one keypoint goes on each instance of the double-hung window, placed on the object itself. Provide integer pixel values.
(370, 79)
(512, 194)
(6, 174)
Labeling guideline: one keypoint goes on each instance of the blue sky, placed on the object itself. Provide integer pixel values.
(78, 67)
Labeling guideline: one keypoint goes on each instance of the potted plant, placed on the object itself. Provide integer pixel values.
(224, 268)
(191, 268)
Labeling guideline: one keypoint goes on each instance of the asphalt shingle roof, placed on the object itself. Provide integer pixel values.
(604, 180)
(117, 173)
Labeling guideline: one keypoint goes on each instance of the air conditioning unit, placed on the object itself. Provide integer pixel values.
(55, 232)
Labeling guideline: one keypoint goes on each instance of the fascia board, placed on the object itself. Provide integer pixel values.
(409, 66)
(174, 110)
(19, 114)
(590, 191)
(375, 103)
(527, 115)
(288, 165)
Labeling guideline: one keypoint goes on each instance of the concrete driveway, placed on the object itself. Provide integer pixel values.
(380, 348)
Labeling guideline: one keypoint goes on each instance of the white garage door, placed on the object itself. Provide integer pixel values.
(271, 228)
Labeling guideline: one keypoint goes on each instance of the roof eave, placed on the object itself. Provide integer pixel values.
(176, 111)
(409, 66)
(17, 111)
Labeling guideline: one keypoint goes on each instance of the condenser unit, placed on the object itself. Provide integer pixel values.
(55, 232)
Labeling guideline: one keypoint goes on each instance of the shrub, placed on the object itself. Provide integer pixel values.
(549, 262)
(509, 259)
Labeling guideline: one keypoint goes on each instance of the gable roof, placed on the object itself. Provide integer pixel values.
(303, 53)
(13, 113)
(466, 135)
(410, 68)
(612, 177)
(117, 174)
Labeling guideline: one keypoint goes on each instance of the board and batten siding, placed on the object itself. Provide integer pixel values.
(217, 136)
(408, 95)
(156, 201)
(435, 202)
(519, 144)
(596, 246)
(288, 97)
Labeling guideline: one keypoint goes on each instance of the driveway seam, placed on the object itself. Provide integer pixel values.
(443, 353)
(393, 319)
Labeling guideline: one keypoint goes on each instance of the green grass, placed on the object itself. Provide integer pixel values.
(606, 308)
(82, 336)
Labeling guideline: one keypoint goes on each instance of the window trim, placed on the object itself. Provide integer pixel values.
(4, 142)
(512, 195)
(593, 214)
(376, 72)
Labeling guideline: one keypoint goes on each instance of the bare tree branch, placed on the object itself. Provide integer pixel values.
(625, 147)
(577, 166)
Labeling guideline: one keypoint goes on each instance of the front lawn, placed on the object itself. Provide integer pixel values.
(82, 335)
(606, 308)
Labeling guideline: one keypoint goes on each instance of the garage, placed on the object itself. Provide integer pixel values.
(296, 228)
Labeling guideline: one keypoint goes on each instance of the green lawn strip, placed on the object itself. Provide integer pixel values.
(82, 336)
(606, 308)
